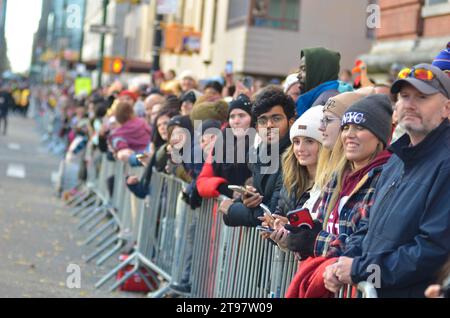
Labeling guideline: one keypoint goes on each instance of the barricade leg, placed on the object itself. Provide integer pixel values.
(78, 199)
(124, 278)
(113, 272)
(162, 290)
(93, 215)
(99, 232)
(102, 249)
(113, 232)
(83, 206)
(88, 211)
(111, 253)
(97, 222)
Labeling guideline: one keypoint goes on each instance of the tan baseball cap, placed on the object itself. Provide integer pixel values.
(340, 103)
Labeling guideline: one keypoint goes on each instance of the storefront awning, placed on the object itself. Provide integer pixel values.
(408, 52)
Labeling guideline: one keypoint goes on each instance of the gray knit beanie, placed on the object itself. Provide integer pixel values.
(374, 113)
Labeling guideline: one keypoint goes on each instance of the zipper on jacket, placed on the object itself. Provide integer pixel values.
(395, 184)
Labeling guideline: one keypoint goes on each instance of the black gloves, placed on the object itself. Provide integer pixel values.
(302, 239)
(192, 197)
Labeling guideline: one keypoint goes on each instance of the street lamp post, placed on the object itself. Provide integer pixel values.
(157, 42)
(102, 44)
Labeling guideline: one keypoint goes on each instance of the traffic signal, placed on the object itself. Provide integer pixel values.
(113, 65)
(117, 66)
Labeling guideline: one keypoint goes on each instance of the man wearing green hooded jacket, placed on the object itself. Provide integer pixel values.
(318, 77)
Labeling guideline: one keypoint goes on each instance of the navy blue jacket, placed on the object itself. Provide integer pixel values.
(408, 233)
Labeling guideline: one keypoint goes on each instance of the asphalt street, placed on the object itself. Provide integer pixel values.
(38, 236)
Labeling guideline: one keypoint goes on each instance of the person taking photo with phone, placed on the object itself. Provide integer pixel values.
(274, 114)
(299, 164)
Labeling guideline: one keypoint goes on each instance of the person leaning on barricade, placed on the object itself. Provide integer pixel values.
(274, 113)
(217, 175)
(407, 238)
(157, 159)
(331, 154)
(330, 127)
(133, 135)
(202, 111)
(180, 143)
(299, 171)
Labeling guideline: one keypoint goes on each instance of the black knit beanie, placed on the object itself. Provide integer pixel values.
(181, 121)
(374, 113)
(241, 102)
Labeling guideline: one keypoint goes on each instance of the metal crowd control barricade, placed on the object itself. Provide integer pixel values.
(236, 262)
(97, 184)
(166, 224)
(117, 205)
(109, 226)
(98, 211)
(146, 234)
(127, 216)
(362, 290)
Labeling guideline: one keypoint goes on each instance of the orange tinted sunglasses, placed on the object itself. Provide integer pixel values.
(420, 74)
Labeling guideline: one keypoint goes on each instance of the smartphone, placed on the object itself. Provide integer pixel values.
(248, 82)
(229, 68)
(264, 229)
(141, 156)
(240, 189)
(266, 209)
(300, 217)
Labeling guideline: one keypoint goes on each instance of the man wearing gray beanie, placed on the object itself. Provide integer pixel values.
(407, 240)
(374, 113)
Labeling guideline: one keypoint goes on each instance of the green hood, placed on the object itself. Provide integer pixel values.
(322, 65)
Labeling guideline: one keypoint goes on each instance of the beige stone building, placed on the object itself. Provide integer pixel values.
(262, 38)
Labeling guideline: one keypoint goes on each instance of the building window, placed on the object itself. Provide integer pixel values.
(237, 12)
(278, 14)
(433, 2)
(435, 8)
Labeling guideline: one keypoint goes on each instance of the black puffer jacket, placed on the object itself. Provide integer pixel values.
(267, 183)
(288, 202)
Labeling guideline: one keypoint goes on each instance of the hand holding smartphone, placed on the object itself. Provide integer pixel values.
(141, 156)
(300, 217)
(264, 229)
(241, 190)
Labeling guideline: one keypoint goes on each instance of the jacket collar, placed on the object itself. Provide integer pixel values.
(422, 150)
(281, 146)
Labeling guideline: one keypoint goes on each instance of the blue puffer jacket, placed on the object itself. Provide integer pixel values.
(408, 234)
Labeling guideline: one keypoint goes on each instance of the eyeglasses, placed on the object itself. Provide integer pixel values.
(325, 121)
(420, 74)
(275, 119)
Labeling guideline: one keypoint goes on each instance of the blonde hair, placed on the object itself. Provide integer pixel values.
(328, 163)
(295, 176)
(342, 166)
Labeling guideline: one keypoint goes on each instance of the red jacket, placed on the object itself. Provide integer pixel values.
(207, 182)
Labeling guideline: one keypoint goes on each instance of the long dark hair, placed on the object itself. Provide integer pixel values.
(157, 139)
